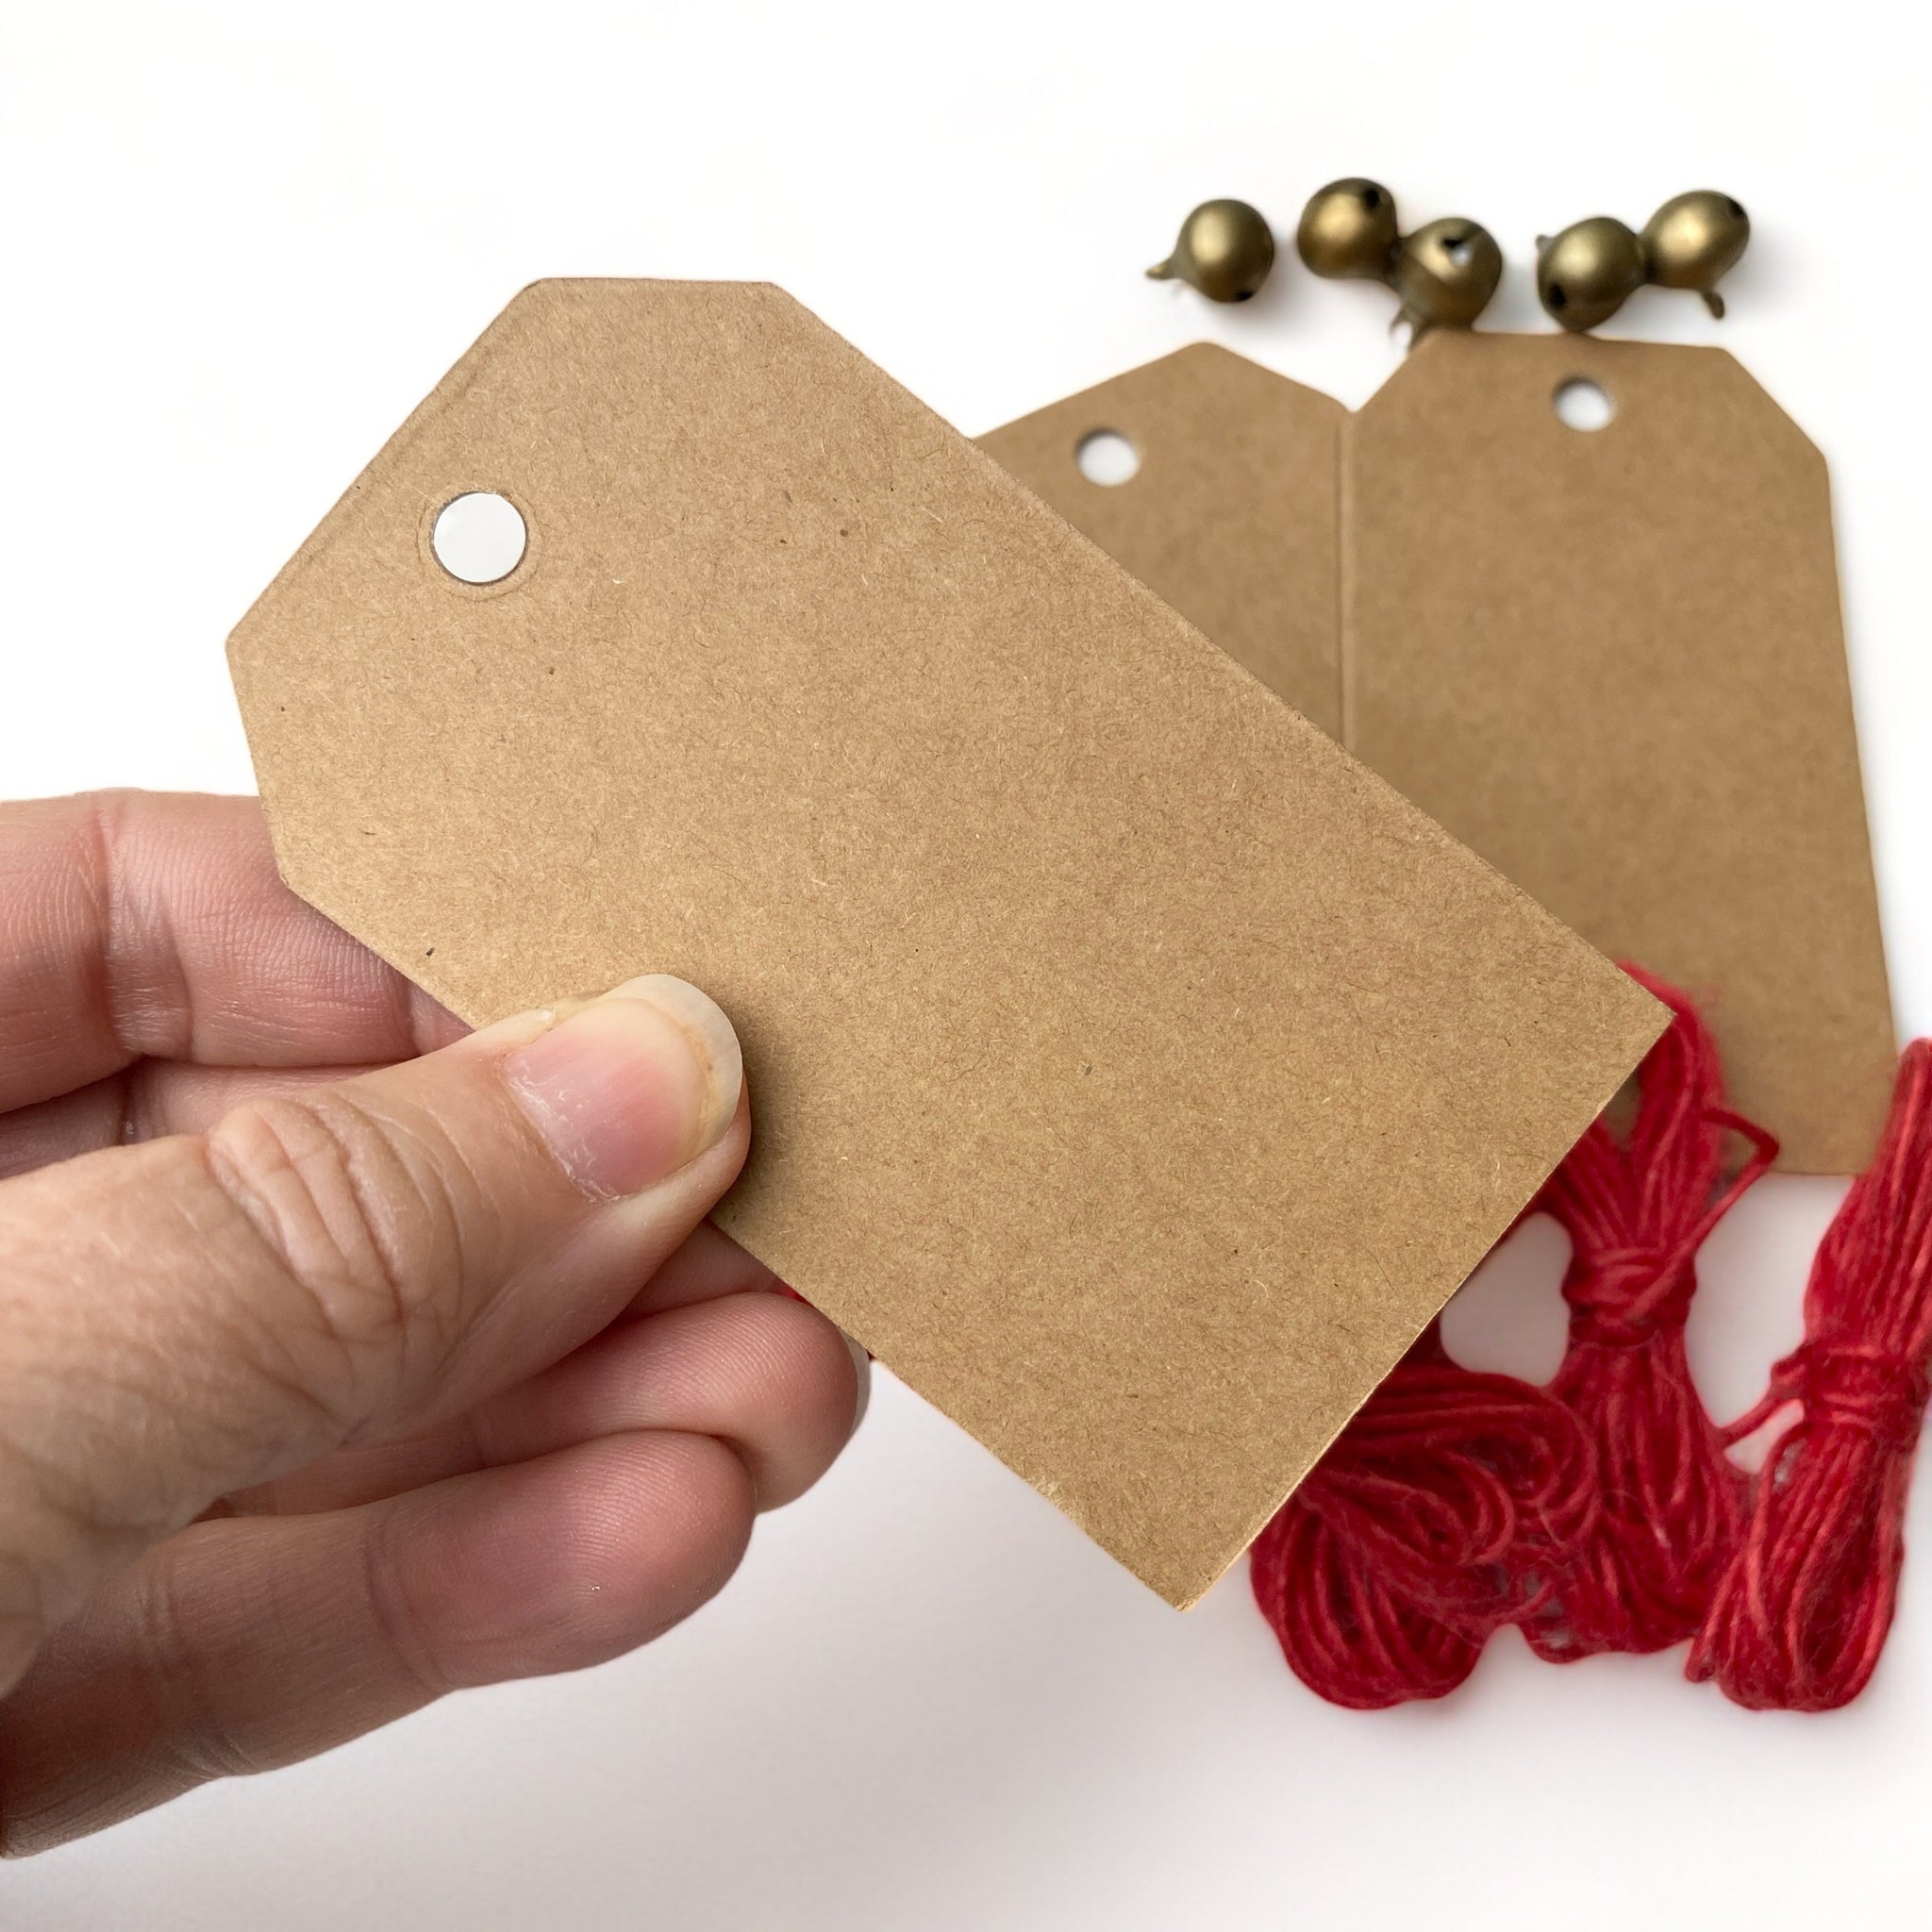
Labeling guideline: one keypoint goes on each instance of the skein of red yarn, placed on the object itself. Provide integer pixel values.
(1802, 1611)
(1420, 1531)
(1636, 1212)
(1602, 1513)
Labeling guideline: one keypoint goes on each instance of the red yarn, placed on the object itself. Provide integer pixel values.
(1672, 1505)
(1802, 1613)
(1420, 1531)
(1602, 1514)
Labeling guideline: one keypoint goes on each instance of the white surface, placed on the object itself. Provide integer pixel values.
(241, 243)
(479, 537)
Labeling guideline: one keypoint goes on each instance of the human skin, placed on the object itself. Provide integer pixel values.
(347, 1357)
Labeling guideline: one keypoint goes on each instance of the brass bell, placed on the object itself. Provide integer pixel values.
(1586, 273)
(1695, 239)
(1446, 273)
(1226, 250)
(1348, 231)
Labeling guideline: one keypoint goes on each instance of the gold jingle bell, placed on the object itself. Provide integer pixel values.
(1586, 273)
(1695, 239)
(1348, 231)
(1226, 250)
(1446, 273)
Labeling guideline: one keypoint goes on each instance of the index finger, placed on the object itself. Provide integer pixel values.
(153, 925)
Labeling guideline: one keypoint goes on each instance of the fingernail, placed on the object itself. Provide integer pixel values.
(862, 1368)
(631, 1086)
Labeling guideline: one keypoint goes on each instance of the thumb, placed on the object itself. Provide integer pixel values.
(185, 1318)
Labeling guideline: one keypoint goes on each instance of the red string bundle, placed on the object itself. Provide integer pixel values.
(1802, 1612)
(1422, 1531)
(1602, 1513)
(1637, 1211)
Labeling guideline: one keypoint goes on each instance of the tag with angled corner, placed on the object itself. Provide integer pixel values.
(1611, 661)
(1233, 516)
(1133, 1073)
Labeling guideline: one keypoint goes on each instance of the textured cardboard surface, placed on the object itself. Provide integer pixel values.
(1234, 516)
(1611, 662)
(1133, 1071)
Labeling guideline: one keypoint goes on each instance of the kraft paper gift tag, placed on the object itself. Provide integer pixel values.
(1133, 1073)
(1611, 662)
(1233, 518)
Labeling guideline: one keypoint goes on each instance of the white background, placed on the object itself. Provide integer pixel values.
(237, 244)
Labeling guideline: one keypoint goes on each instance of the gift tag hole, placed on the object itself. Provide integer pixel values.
(479, 537)
(1583, 404)
(1108, 458)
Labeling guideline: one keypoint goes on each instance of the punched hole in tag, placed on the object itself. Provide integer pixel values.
(1581, 404)
(479, 537)
(1105, 456)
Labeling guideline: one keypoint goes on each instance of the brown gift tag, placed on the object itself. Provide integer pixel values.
(1611, 661)
(1135, 1075)
(1233, 518)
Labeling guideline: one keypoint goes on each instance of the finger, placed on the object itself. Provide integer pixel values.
(767, 1376)
(245, 1645)
(144, 1102)
(141, 924)
(707, 1267)
(190, 1317)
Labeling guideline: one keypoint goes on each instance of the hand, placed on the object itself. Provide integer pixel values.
(328, 1385)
